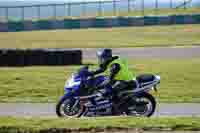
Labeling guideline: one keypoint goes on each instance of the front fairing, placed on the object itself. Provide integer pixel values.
(81, 79)
(72, 84)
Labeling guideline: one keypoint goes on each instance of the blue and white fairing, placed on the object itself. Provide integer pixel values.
(73, 84)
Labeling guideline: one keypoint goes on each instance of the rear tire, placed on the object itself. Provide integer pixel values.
(145, 110)
(63, 108)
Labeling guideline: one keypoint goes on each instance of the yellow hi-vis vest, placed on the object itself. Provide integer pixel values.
(124, 73)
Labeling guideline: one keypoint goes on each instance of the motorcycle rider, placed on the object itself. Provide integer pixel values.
(116, 69)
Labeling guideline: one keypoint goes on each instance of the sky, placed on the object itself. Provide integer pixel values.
(66, 1)
(47, 0)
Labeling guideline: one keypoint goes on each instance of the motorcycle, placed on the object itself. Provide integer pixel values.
(80, 99)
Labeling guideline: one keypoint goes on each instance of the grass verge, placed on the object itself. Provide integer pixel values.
(47, 125)
(148, 36)
(163, 11)
(179, 80)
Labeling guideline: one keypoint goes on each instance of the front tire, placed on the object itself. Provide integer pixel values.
(145, 106)
(64, 108)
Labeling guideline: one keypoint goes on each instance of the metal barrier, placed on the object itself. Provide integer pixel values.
(84, 9)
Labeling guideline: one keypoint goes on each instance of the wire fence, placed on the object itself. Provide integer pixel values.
(89, 9)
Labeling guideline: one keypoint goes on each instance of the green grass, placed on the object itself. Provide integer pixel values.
(179, 80)
(146, 12)
(149, 12)
(9, 124)
(148, 36)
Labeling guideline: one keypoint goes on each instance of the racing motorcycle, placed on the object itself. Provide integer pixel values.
(81, 97)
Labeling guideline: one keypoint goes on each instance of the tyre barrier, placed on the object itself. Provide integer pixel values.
(196, 18)
(57, 24)
(137, 21)
(150, 20)
(11, 57)
(3, 27)
(31, 57)
(86, 23)
(15, 26)
(72, 23)
(177, 19)
(99, 22)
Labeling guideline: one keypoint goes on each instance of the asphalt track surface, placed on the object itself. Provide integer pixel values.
(146, 53)
(48, 109)
(182, 109)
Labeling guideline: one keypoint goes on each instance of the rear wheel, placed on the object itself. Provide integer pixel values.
(69, 108)
(142, 105)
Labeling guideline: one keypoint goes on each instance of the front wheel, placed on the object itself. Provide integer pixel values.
(69, 108)
(142, 105)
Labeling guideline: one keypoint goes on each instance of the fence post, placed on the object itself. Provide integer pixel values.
(142, 7)
(54, 11)
(184, 4)
(23, 13)
(38, 11)
(65, 10)
(7, 19)
(129, 7)
(100, 8)
(114, 7)
(156, 6)
(83, 8)
(69, 9)
(170, 4)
